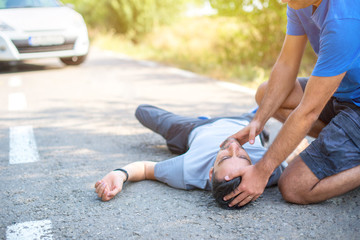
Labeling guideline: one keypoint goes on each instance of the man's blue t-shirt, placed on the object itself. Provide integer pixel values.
(333, 31)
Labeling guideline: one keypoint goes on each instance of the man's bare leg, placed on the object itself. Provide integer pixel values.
(301, 147)
(290, 103)
(298, 184)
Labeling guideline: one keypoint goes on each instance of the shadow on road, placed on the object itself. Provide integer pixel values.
(21, 66)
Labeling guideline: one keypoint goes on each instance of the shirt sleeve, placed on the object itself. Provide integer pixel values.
(339, 47)
(294, 26)
(171, 172)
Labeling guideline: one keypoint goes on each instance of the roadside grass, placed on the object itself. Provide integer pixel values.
(214, 47)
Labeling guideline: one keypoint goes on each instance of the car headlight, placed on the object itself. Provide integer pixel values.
(5, 27)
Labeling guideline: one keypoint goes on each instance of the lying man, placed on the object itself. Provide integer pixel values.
(201, 164)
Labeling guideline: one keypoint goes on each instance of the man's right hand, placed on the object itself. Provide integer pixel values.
(110, 185)
(248, 133)
(252, 185)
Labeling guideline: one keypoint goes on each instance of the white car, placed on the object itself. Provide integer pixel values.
(32, 29)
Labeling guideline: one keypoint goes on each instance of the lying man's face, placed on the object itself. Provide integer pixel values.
(230, 158)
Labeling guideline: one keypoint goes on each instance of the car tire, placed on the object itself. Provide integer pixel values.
(75, 60)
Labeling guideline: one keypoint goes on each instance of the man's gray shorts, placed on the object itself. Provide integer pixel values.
(337, 147)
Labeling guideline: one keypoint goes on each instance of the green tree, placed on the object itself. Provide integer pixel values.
(266, 26)
(133, 18)
(265, 29)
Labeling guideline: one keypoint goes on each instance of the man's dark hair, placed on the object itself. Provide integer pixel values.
(222, 188)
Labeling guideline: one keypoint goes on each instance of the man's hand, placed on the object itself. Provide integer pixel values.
(248, 133)
(110, 185)
(251, 187)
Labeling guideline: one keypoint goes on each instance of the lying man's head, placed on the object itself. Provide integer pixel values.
(230, 158)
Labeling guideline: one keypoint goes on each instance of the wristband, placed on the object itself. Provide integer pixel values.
(124, 171)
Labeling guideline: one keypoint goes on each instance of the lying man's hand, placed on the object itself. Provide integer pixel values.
(252, 185)
(248, 133)
(110, 185)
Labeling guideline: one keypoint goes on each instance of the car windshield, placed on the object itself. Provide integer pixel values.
(28, 3)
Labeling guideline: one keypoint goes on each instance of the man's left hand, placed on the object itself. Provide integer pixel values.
(252, 185)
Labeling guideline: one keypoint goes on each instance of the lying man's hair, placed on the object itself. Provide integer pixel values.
(222, 188)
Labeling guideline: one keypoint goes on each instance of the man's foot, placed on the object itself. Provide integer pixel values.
(301, 147)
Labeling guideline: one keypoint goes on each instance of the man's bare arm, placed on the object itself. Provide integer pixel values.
(112, 183)
(318, 92)
(281, 83)
(254, 178)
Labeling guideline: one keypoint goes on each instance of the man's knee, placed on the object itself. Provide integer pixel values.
(260, 92)
(291, 193)
(296, 183)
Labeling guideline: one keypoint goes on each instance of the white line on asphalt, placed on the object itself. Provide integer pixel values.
(121, 56)
(23, 147)
(183, 73)
(236, 87)
(34, 230)
(15, 81)
(17, 102)
(117, 55)
(147, 63)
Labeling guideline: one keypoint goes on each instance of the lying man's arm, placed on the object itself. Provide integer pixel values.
(112, 183)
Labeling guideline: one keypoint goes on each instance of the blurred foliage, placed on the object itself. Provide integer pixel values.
(201, 52)
(133, 18)
(239, 7)
(240, 43)
(260, 41)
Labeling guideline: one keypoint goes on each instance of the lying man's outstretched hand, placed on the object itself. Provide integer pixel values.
(110, 185)
(252, 185)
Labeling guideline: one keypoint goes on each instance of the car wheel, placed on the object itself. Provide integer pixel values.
(75, 60)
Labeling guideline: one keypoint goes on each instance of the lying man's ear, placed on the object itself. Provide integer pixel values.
(211, 172)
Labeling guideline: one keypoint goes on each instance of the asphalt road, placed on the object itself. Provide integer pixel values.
(82, 122)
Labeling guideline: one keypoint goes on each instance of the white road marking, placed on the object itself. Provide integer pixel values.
(17, 102)
(147, 63)
(121, 56)
(33, 230)
(236, 87)
(183, 73)
(23, 147)
(15, 81)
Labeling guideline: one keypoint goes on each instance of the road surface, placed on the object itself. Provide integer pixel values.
(63, 128)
